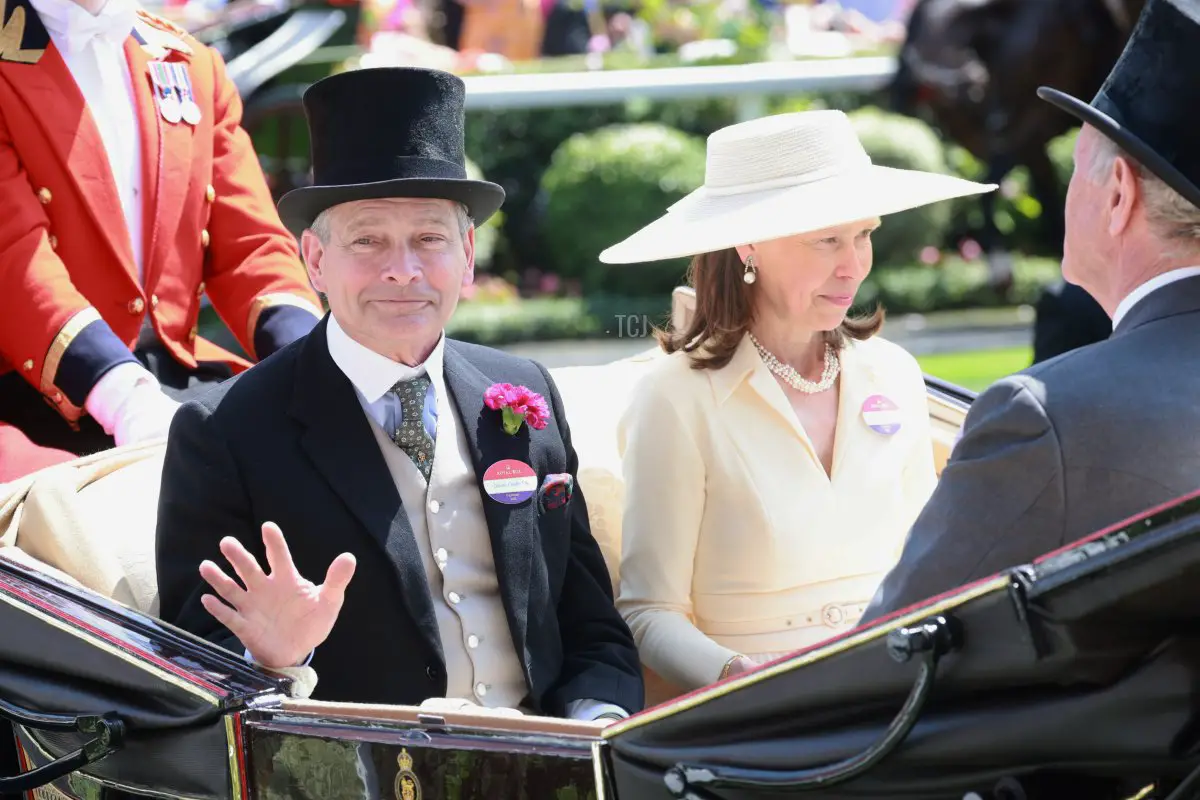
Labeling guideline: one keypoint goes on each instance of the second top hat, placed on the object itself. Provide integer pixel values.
(387, 132)
(1150, 103)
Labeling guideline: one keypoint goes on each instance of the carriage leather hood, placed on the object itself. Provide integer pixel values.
(1150, 103)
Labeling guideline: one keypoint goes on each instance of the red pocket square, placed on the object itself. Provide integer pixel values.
(556, 490)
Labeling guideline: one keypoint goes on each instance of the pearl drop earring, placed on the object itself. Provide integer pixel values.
(749, 276)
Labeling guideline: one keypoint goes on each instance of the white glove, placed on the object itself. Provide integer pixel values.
(145, 414)
(130, 405)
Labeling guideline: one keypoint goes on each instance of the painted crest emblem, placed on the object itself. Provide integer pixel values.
(407, 786)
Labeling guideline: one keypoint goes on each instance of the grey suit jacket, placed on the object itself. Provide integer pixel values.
(1063, 449)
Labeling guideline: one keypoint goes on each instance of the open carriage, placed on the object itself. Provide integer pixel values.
(1073, 677)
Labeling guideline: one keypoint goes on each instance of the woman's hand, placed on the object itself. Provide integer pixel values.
(738, 665)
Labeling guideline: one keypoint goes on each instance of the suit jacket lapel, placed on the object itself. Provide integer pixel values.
(60, 111)
(512, 528)
(1180, 297)
(166, 147)
(338, 440)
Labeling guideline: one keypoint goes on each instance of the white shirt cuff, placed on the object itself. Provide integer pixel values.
(593, 709)
(105, 399)
(303, 663)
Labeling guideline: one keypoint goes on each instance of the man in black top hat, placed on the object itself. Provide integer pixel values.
(1090, 438)
(431, 482)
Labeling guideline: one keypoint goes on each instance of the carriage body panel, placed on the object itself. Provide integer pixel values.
(1079, 667)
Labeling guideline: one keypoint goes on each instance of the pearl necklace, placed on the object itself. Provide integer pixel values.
(793, 378)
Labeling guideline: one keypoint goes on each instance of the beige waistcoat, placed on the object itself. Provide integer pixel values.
(456, 550)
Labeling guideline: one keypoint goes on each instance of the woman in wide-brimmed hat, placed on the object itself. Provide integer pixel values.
(774, 461)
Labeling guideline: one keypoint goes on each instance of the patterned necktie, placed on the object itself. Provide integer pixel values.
(411, 436)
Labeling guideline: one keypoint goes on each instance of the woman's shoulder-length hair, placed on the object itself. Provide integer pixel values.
(725, 309)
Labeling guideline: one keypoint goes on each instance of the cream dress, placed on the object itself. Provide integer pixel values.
(735, 540)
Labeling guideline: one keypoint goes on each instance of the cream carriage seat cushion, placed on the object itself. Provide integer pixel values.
(594, 398)
(93, 519)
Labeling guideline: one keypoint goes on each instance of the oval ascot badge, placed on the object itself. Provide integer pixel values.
(881, 414)
(510, 481)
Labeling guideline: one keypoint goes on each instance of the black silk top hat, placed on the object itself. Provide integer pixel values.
(1150, 103)
(387, 132)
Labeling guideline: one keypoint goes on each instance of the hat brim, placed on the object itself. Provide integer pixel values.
(1126, 139)
(704, 222)
(300, 207)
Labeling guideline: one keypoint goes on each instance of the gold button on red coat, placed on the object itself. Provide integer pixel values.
(53, 242)
(28, 364)
(192, 334)
(204, 238)
(154, 301)
(44, 196)
(137, 305)
(210, 193)
(200, 289)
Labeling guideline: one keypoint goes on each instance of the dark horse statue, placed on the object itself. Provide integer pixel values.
(971, 68)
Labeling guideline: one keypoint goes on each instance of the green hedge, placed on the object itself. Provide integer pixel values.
(602, 186)
(1017, 213)
(550, 318)
(896, 141)
(514, 147)
(955, 284)
(488, 236)
(569, 201)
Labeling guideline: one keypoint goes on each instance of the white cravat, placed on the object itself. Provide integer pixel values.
(1157, 282)
(93, 49)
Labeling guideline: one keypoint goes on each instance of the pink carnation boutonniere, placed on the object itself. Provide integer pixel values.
(517, 404)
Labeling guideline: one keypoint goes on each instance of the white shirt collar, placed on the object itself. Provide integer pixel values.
(1157, 282)
(72, 27)
(373, 374)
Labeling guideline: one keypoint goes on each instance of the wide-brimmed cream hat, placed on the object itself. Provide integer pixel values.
(780, 176)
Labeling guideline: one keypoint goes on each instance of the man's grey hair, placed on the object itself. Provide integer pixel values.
(1169, 213)
(320, 225)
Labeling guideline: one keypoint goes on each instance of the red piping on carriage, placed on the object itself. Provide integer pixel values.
(120, 644)
(935, 599)
(1122, 524)
(241, 754)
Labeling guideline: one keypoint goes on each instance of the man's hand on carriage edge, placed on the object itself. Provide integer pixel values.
(280, 617)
